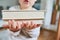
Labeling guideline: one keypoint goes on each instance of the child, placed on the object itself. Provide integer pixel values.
(16, 28)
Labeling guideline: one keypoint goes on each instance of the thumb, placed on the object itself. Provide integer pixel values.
(5, 26)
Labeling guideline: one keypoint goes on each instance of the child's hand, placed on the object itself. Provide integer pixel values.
(30, 25)
(13, 26)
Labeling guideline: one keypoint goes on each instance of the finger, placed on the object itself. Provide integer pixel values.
(27, 25)
(31, 24)
(14, 24)
(9, 23)
(18, 25)
(36, 25)
(23, 24)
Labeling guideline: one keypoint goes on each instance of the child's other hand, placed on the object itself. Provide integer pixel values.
(30, 25)
(13, 25)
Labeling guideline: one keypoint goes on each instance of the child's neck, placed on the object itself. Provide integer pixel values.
(25, 8)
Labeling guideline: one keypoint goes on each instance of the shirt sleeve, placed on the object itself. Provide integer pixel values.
(12, 8)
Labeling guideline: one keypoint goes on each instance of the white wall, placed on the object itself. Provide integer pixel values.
(43, 4)
(53, 27)
(48, 6)
(6, 3)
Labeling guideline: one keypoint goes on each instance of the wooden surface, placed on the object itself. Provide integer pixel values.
(47, 35)
(58, 33)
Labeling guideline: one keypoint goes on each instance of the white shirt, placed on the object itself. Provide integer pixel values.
(35, 32)
(18, 8)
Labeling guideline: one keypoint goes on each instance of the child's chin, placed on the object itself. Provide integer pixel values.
(27, 6)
